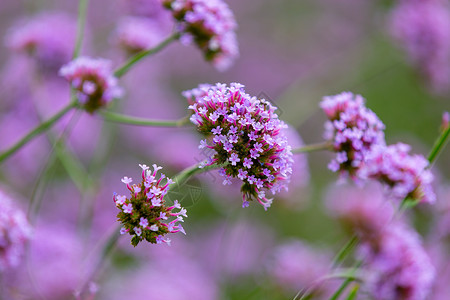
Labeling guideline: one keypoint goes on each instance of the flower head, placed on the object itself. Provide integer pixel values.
(93, 80)
(143, 213)
(48, 37)
(210, 24)
(260, 155)
(14, 232)
(399, 267)
(353, 129)
(422, 29)
(135, 34)
(406, 175)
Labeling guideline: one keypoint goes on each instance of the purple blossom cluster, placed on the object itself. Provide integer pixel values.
(422, 28)
(398, 265)
(145, 215)
(406, 175)
(14, 233)
(48, 37)
(210, 24)
(244, 134)
(135, 34)
(93, 80)
(353, 130)
(297, 266)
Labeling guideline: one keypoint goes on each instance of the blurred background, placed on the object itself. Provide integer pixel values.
(292, 52)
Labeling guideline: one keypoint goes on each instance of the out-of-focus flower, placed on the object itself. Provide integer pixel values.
(143, 214)
(93, 80)
(245, 135)
(135, 34)
(14, 233)
(353, 129)
(406, 175)
(296, 266)
(445, 121)
(48, 37)
(363, 209)
(210, 24)
(423, 30)
(399, 267)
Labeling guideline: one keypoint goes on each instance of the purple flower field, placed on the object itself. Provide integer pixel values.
(225, 149)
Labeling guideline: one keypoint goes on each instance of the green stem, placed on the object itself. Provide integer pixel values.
(313, 147)
(353, 293)
(119, 72)
(439, 145)
(82, 10)
(346, 282)
(184, 175)
(36, 131)
(342, 254)
(119, 118)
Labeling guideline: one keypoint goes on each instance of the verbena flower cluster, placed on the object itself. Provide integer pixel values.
(422, 29)
(93, 81)
(398, 264)
(353, 130)
(135, 34)
(407, 175)
(210, 24)
(48, 37)
(145, 215)
(14, 232)
(243, 133)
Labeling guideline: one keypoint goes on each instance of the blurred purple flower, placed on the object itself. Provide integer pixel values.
(48, 37)
(398, 266)
(422, 29)
(93, 79)
(296, 266)
(248, 124)
(210, 25)
(135, 34)
(14, 233)
(353, 129)
(363, 209)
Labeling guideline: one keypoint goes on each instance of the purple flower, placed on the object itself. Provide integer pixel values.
(398, 266)
(353, 129)
(14, 233)
(142, 214)
(93, 80)
(422, 28)
(251, 148)
(48, 37)
(210, 24)
(135, 34)
(406, 175)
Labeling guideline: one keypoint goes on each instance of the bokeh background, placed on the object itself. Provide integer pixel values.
(292, 52)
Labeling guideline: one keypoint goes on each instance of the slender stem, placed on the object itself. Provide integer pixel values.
(82, 10)
(348, 247)
(313, 147)
(353, 293)
(133, 60)
(124, 119)
(184, 175)
(36, 131)
(346, 282)
(439, 145)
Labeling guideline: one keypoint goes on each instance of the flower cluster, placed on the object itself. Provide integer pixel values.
(145, 215)
(49, 38)
(135, 34)
(243, 135)
(353, 129)
(210, 24)
(14, 232)
(422, 28)
(406, 175)
(93, 80)
(398, 265)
